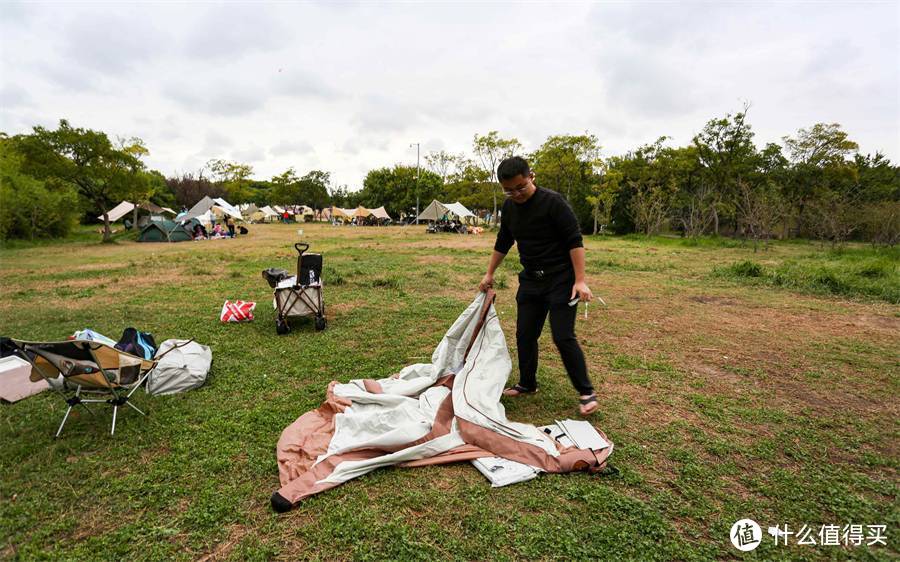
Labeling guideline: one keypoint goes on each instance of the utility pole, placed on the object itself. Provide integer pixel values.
(417, 179)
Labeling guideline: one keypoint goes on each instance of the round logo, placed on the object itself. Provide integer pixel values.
(746, 535)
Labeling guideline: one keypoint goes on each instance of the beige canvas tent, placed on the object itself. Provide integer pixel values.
(266, 214)
(436, 211)
(360, 212)
(380, 213)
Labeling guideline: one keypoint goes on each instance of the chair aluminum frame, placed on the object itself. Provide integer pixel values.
(120, 393)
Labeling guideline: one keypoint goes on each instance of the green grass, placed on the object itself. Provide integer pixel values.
(859, 272)
(728, 396)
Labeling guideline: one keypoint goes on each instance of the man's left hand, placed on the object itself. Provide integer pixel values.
(581, 289)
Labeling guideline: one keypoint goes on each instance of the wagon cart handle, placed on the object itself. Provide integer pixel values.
(297, 247)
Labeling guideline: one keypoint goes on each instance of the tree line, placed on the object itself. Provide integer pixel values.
(815, 184)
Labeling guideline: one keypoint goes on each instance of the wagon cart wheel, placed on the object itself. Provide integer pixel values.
(281, 326)
(321, 323)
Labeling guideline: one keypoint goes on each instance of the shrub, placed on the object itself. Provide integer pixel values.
(746, 269)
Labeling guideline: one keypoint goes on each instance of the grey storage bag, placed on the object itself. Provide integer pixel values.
(183, 365)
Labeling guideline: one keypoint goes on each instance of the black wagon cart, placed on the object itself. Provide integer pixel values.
(301, 295)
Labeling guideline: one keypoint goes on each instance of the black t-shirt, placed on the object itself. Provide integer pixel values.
(544, 226)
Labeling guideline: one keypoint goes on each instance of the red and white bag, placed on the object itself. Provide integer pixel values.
(237, 311)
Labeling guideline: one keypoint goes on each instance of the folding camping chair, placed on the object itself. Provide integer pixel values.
(87, 368)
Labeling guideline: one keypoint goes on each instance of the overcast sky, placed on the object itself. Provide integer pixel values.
(347, 87)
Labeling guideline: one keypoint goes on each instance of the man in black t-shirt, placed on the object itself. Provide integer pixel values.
(552, 279)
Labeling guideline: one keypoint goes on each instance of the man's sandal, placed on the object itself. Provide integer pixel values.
(589, 405)
(518, 390)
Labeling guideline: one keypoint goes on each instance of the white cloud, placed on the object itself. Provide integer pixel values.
(346, 88)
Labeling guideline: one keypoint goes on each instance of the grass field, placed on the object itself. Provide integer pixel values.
(728, 393)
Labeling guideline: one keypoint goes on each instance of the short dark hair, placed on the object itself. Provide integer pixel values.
(512, 167)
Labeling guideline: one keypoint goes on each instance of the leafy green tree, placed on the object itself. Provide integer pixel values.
(565, 162)
(648, 188)
(491, 149)
(760, 208)
(314, 189)
(339, 196)
(286, 188)
(442, 163)
(878, 179)
(83, 158)
(821, 175)
(30, 208)
(140, 186)
(603, 195)
(395, 189)
(726, 155)
(569, 164)
(651, 203)
(469, 184)
(234, 177)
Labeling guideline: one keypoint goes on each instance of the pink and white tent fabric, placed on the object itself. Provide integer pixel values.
(445, 411)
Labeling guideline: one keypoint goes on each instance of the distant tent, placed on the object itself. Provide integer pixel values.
(434, 211)
(118, 211)
(164, 231)
(278, 209)
(337, 212)
(459, 210)
(380, 213)
(155, 209)
(360, 212)
(269, 213)
(204, 209)
(437, 210)
(228, 208)
(126, 207)
(304, 210)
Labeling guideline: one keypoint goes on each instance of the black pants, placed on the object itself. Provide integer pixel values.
(535, 299)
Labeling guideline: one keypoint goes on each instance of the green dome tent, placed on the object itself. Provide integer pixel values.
(164, 231)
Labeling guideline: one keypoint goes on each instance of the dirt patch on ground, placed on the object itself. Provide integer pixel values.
(732, 343)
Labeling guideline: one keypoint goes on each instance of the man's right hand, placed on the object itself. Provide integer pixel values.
(487, 282)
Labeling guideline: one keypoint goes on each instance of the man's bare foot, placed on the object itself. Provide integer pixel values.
(589, 404)
(518, 390)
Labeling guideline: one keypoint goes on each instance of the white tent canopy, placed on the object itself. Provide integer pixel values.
(119, 211)
(380, 213)
(437, 210)
(459, 210)
(204, 208)
(125, 207)
(228, 208)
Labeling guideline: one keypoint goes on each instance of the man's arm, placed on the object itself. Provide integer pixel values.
(580, 287)
(504, 242)
(488, 281)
